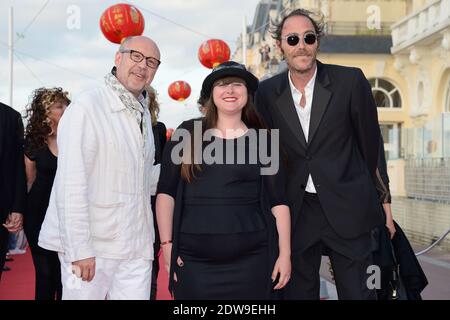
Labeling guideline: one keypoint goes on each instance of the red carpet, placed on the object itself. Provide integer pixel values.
(18, 284)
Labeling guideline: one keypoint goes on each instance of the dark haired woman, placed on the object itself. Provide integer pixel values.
(44, 112)
(216, 221)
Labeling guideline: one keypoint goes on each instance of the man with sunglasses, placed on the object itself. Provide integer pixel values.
(99, 218)
(329, 134)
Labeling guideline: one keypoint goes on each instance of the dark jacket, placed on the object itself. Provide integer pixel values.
(12, 168)
(342, 151)
(159, 134)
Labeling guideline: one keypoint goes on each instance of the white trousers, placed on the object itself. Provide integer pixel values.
(113, 280)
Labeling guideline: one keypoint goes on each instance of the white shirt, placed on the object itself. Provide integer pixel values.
(304, 114)
(100, 200)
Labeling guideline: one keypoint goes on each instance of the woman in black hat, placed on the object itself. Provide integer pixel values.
(224, 226)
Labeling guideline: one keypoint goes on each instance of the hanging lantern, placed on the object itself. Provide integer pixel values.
(213, 52)
(169, 132)
(120, 21)
(179, 90)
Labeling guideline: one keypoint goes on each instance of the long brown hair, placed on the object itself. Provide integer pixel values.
(153, 104)
(39, 125)
(249, 116)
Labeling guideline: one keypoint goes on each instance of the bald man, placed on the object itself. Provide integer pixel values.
(99, 218)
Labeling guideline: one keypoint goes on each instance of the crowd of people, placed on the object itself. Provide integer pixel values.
(243, 202)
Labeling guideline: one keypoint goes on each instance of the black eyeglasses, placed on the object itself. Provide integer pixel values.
(309, 38)
(136, 56)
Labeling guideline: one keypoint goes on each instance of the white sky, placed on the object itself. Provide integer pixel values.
(52, 54)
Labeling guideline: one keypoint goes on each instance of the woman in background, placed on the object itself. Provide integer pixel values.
(159, 134)
(44, 112)
(402, 276)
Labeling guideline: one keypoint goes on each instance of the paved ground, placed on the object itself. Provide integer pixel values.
(435, 264)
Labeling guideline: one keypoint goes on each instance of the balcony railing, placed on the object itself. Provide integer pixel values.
(421, 24)
(357, 28)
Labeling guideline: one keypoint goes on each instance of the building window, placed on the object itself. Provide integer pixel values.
(385, 94)
(447, 97)
(391, 133)
(446, 122)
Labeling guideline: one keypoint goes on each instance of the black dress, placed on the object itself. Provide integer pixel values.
(46, 263)
(223, 234)
(159, 135)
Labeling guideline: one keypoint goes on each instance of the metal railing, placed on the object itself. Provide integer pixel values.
(434, 244)
(357, 28)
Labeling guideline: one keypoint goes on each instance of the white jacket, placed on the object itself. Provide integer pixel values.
(100, 200)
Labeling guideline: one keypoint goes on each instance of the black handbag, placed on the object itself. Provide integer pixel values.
(392, 285)
(396, 287)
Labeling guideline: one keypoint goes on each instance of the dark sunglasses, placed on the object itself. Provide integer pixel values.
(308, 38)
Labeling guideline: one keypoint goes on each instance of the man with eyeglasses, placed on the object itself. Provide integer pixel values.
(99, 218)
(329, 131)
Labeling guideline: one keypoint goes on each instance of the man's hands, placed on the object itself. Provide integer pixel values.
(84, 269)
(14, 222)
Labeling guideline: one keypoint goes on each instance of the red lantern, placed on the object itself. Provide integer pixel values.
(213, 52)
(120, 21)
(179, 90)
(169, 132)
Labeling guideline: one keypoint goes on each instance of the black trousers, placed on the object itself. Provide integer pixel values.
(3, 247)
(350, 258)
(48, 274)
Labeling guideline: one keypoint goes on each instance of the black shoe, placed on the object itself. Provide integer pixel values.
(8, 259)
(6, 268)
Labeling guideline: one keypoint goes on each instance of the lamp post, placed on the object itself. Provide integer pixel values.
(11, 55)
